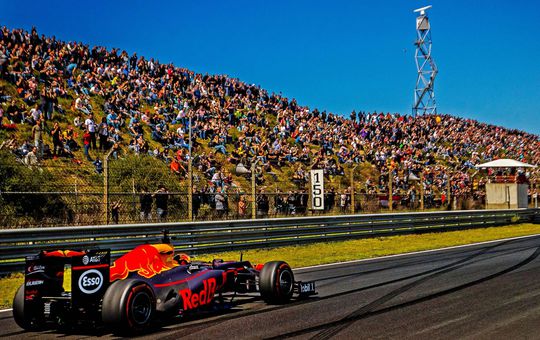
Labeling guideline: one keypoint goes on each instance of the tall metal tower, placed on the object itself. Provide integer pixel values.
(424, 95)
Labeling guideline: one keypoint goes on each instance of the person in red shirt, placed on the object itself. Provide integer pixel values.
(87, 138)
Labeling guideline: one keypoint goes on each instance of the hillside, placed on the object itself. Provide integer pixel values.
(145, 108)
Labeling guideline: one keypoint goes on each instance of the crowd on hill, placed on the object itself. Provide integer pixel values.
(241, 121)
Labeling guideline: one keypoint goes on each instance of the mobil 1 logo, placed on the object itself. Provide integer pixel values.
(90, 281)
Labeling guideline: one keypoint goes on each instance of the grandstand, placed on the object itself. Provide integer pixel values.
(66, 106)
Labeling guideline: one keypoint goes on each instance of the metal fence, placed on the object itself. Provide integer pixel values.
(125, 191)
(205, 237)
(49, 209)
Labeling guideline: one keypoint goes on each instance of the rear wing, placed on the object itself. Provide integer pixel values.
(44, 276)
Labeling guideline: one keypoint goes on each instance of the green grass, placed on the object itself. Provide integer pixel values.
(320, 253)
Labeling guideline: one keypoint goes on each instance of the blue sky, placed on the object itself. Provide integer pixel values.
(333, 55)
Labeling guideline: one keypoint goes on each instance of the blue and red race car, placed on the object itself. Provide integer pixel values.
(143, 285)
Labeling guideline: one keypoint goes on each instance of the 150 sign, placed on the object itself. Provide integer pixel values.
(317, 189)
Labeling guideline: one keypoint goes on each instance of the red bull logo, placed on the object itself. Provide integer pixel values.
(204, 297)
(147, 260)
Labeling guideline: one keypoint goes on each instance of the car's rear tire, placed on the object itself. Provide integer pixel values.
(276, 282)
(26, 320)
(128, 306)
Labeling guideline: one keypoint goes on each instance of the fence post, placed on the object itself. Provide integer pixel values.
(253, 193)
(352, 189)
(190, 190)
(390, 189)
(76, 202)
(133, 199)
(422, 190)
(106, 185)
(535, 193)
(106, 188)
(448, 191)
(190, 174)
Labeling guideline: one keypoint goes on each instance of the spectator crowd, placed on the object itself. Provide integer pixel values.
(129, 103)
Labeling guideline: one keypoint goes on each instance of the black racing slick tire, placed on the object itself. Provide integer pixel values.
(276, 282)
(128, 306)
(28, 320)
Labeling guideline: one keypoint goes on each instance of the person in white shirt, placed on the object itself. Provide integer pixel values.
(91, 126)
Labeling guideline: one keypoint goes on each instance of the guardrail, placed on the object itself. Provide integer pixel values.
(205, 237)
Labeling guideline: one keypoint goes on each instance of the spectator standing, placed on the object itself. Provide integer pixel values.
(196, 202)
(103, 131)
(3, 63)
(91, 127)
(86, 141)
(145, 200)
(58, 146)
(412, 198)
(242, 206)
(37, 135)
(162, 198)
(220, 202)
(263, 205)
(115, 212)
(344, 200)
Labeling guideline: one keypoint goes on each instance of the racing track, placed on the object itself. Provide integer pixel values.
(478, 292)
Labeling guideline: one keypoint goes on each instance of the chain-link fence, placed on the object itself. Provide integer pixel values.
(88, 208)
(144, 190)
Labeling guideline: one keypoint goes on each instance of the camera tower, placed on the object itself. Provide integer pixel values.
(424, 94)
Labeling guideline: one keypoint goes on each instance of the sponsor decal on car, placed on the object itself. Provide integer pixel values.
(91, 259)
(30, 294)
(34, 283)
(90, 281)
(35, 268)
(145, 259)
(307, 287)
(204, 297)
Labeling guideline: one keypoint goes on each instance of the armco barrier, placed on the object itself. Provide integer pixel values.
(204, 237)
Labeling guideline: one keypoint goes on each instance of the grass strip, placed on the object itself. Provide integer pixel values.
(321, 253)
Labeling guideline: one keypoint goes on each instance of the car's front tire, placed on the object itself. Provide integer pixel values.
(128, 306)
(276, 282)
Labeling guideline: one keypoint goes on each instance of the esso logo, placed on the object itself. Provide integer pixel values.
(90, 281)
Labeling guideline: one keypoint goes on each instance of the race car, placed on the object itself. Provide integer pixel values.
(146, 284)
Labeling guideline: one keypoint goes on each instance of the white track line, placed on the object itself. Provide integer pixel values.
(411, 253)
(6, 310)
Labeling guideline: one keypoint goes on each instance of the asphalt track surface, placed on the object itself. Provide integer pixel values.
(483, 291)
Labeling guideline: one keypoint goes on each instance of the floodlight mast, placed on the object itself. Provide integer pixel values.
(424, 94)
